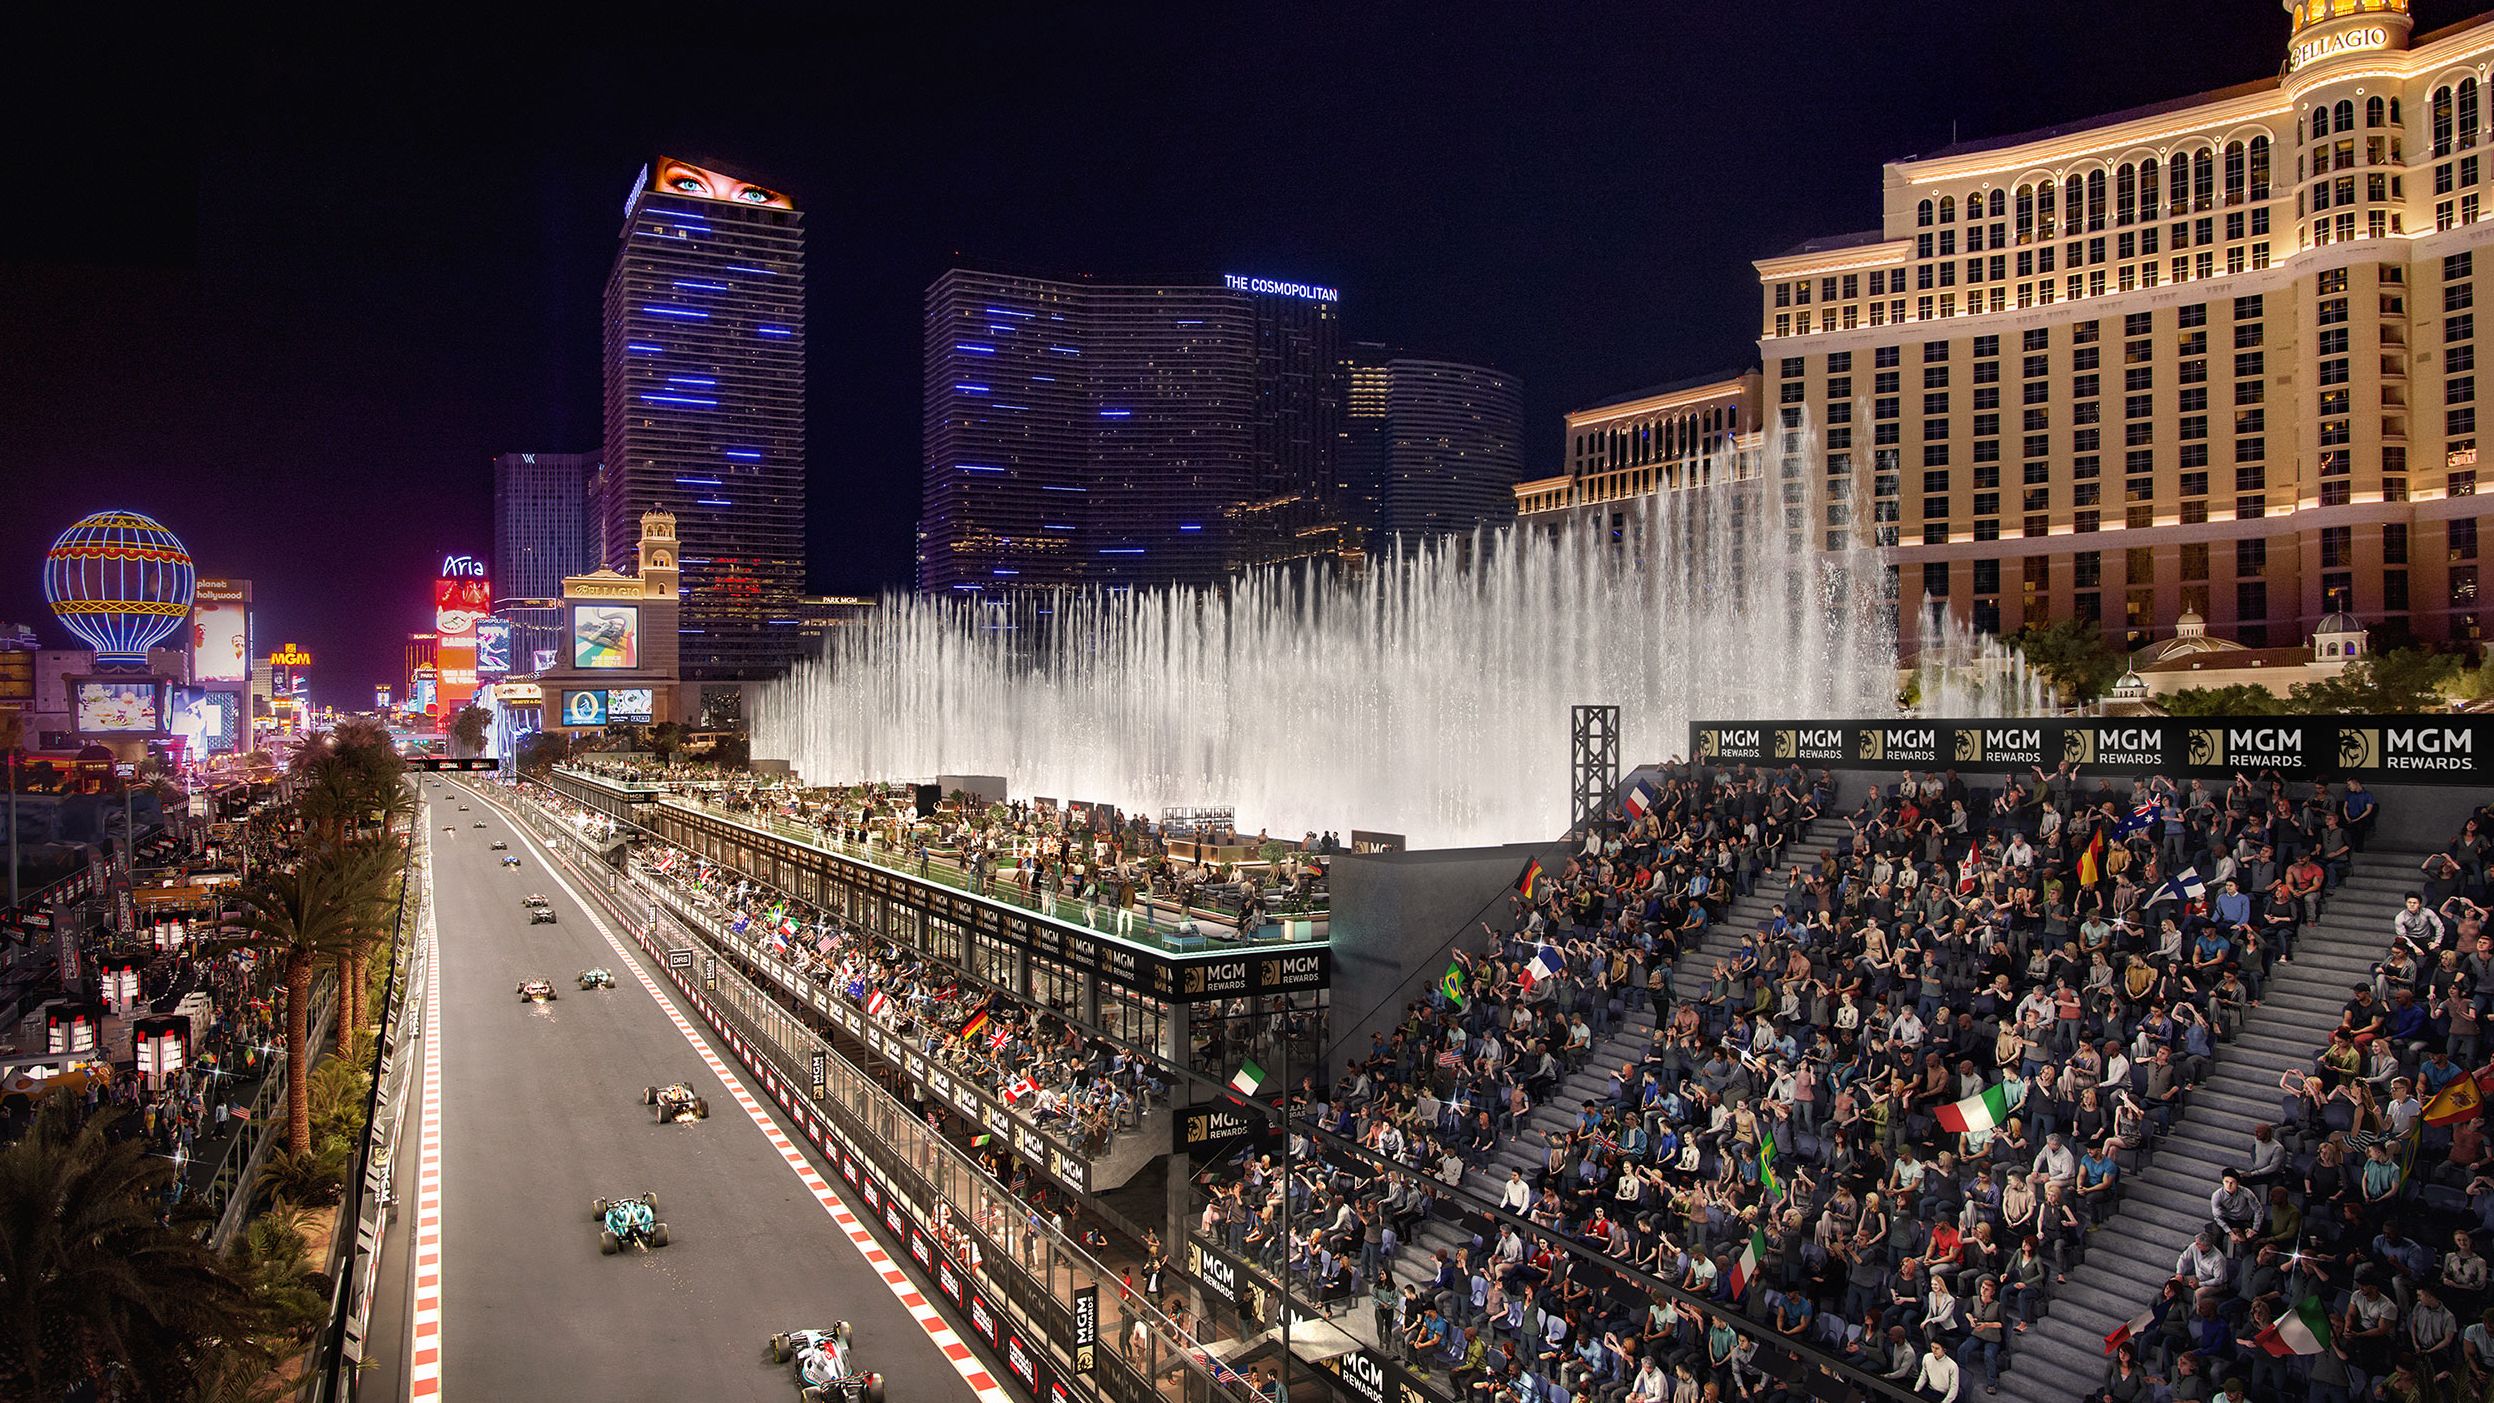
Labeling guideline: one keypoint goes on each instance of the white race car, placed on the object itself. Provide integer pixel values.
(825, 1371)
(537, 991)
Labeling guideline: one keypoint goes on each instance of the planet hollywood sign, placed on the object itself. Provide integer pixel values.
(2407, 749)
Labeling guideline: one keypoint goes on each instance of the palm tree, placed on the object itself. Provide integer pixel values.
(363, 871)
(399, 807)
(94, 1289)
(299, 918)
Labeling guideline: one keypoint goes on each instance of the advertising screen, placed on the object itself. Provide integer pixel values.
(606, 635)
(542, 659)
(493, 648)
(424, 699)
(584, 708)
(461, 597)
(629, 704)
(210, 720)
(127, 708)
(221, 642)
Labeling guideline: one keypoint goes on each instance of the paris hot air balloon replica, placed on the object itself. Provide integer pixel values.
(121, 582)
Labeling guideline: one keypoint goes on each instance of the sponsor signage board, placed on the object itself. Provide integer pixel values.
(2423, 749)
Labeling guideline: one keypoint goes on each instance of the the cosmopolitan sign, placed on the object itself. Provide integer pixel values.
(2345, 41)
(2410, 749)
(1305, 292)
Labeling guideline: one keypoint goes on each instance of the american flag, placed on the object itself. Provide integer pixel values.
(1449, 1058)
(876, 1003)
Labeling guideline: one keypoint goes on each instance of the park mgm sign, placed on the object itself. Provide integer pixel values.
(2407, 749)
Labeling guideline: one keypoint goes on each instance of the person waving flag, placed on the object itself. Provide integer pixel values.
(1985, 1110)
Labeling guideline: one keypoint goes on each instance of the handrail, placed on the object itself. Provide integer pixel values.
(330, 1361)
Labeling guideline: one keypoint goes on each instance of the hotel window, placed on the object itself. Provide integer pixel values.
(2251, 612)
(2250, 508)
(2251, 556)
(2463, 539)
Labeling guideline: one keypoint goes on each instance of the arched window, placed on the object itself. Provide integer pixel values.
(1999, 203)
(2074, 204)
(2203, 179)
(1922, 215)
(2026, 213)
(1948, 209)
(2095, 200)
(2260, 168)
(2147, 188)
(2236, 169)
(2320, 121)
(2045, 226)
(2126, 195)
(2343, 115)
(2395, 119)
(2442, 121)
(2372, 111)
(2467, 113)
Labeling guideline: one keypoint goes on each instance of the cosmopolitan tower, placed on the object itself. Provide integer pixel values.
(704, 357)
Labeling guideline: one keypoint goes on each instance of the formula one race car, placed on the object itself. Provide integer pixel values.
(676, 1102)
(628, 1222)
(825, 1372)
(508, 860)
(463, 808)
(478, 824)
(537, 991)
(541, 915)
(597, 979)
(500, 846)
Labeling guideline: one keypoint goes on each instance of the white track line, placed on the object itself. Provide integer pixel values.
(424, 1353)
(982, 1383)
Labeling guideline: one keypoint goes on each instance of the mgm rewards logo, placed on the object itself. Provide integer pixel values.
(1787, 745)
(2078, 746)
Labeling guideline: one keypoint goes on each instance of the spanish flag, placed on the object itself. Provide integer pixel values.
(2091, 859)
(978, 1021)
(2455, 1102)
(1528, 883)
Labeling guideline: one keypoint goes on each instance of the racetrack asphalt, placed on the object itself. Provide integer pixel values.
(542, 1112)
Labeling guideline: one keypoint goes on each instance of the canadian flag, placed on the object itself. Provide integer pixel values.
(2123, 1332)
(1021, 1087)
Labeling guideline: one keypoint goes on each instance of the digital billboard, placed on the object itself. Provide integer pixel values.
(673, 177)
(493, 648)
(606, 635)
(584, 708)
(119, 707)
(210, 719)
(423, 699)
(629, 704)
(461, 597)
(220, 631)
(542, 659)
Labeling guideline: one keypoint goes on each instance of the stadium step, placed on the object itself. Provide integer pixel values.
(2131, 1256)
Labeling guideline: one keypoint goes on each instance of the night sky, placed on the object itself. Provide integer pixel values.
(290, 286)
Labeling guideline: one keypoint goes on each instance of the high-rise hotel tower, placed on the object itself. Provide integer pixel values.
(2216, 355)
(704, 357)
(1082, 432)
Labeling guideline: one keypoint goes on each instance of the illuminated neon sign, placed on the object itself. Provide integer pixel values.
(2347, 41)
(1305, 292)
(290, 656)
(462, 567)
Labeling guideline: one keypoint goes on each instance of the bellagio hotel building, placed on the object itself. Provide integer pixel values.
(2216, 355)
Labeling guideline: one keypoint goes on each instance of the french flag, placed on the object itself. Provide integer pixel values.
(1639, 802)
(1545, 963)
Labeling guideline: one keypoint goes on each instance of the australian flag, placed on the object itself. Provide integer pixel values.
(2142, 817)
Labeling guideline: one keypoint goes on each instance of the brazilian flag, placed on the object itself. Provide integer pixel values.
(1453, 983)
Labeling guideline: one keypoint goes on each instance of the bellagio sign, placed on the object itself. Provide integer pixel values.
(2345, 41)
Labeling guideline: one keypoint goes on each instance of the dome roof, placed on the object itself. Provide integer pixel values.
(2339, 621)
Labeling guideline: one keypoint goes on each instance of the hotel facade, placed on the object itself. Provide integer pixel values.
(2212, 356)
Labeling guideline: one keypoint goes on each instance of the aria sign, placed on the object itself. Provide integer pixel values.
(462, 567)
(2345, 41)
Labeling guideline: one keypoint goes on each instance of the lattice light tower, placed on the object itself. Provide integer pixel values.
(1593, 763)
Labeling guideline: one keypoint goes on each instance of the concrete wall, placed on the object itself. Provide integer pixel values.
(1396, 919)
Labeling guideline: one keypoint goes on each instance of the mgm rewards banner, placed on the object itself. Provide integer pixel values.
(2457, 750)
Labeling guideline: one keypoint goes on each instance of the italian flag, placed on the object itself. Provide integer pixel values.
(1745, 1270)
(1249, 1081)
(1980, 1112)
(2304, 1331)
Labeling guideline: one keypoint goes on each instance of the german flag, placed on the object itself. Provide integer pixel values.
(1528, 883)
(2091, 859)
(976, 1025)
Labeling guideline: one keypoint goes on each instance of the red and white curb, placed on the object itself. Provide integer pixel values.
(982, 1383)
(424, 1352)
